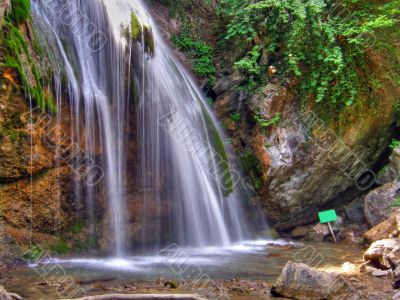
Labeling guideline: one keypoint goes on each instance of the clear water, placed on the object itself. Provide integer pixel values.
(254, 260)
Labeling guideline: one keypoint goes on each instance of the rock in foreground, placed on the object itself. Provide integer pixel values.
(4, 295)
(384, 254)
(299, 281)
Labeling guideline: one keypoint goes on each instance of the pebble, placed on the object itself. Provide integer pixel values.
(380, 273)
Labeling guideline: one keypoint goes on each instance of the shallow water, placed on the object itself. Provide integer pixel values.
(255, 261)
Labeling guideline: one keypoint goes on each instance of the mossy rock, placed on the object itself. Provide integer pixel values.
(149, 46)
(136, 28)
(21, 10)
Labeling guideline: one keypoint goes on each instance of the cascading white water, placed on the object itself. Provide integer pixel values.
(96, 87)
(181, 156)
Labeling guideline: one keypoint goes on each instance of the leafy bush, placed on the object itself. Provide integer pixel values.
(21, 10)
(321, 44)
(200, 55)
(250, 66)
(394, 144)
(235, 117)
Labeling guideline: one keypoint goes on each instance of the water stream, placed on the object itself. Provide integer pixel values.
(118, 81)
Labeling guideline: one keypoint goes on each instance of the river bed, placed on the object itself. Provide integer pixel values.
(246, 270)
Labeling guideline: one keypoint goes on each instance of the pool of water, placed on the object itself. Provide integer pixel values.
(253, 260)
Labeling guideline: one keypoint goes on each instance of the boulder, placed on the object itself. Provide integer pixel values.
(355, 210)
(300, 232)
(396, 278)
(384, 254)
(377, 202)
(391, 172)
(318, 233)
(396, 296)
(382, 230)
(299, 281)
(4, 295)
(315, 233)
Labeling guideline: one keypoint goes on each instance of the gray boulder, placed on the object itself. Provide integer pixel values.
(299, 281)
(355, 210)
(377, 202)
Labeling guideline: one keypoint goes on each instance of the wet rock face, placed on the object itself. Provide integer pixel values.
(43, 206)
(35, 190)
(299, 281)
(303, 163)
(377, 202)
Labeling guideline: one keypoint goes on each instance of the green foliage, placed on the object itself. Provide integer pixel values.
(77, 227)
(60, 247)
(200, 55)
(250, 66)
(21, 10)
(235, 117)
(266, 123)
(321, 44)
(15, 46)
(251, 165)
(394, 144)
(149, 46)
(395, 204)
(11, 127)
(33, 254)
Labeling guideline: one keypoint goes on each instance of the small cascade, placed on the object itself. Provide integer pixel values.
(125, 86)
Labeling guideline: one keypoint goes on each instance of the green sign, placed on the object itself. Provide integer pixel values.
(327, 216)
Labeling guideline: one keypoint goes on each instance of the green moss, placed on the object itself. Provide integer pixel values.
(21, 10)
(218, 146)
(79, 246)
(267, 123)
(149, 46)
(252, 166)
(33, 254)
(15, 45)
(14, 122)
(77, 227)
(173, 284)
(136, 28)
(60, 247)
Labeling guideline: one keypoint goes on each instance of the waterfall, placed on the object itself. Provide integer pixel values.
(122, 79)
